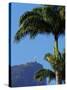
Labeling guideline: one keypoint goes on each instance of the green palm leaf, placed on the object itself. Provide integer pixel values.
(27, 15)
(56, 63)
(43, 74)
(50, 58)
(32, 26)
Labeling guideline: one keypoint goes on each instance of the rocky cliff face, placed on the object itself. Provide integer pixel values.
(23, 75)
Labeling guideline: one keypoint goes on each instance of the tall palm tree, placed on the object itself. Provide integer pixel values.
(45, 19)
(58, 65)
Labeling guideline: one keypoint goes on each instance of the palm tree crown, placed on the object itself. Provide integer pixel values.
(46, 19)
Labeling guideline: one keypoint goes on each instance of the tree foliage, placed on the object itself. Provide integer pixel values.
(46, 19)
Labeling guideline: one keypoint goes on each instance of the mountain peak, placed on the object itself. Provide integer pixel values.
(23, 75)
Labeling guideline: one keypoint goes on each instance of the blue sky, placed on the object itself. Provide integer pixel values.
(30, 50)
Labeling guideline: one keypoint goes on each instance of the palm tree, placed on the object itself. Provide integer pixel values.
(45, 19)
(57, 65)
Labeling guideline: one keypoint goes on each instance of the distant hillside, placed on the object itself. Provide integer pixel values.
(23, 75)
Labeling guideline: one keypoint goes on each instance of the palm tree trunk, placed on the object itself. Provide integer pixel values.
(58, 79)
(48, 81)
(56, 53)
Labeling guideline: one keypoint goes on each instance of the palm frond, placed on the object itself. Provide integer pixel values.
(50, 58)
(62, 12)
(32, 26)
(38, 10)
(27, 15)
(56, 63)
(43, 74)
(42, 20)
(53, 17)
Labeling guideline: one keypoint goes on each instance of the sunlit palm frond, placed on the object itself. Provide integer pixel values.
(50, 58)
(62, 12)
(27, 15)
